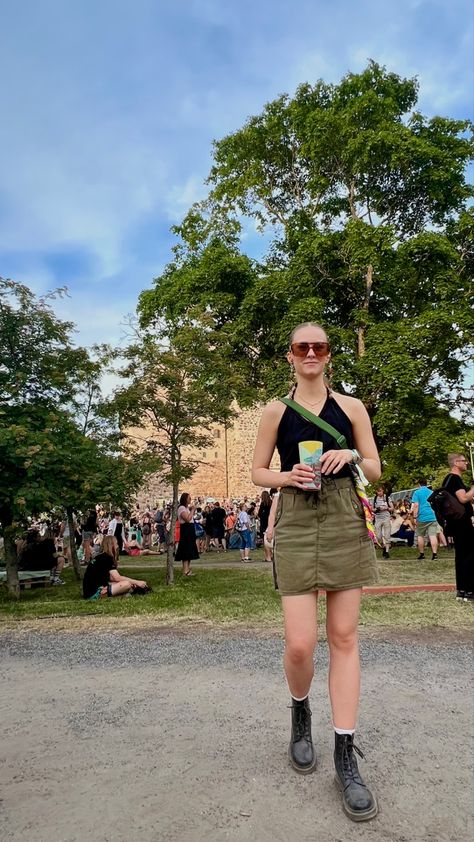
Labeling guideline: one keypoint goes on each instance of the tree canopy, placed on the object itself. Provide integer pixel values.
(365, 209)
(175, 391)
(53, 450)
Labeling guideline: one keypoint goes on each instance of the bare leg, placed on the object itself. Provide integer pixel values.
(86, 545)
(344, 667)
(119, 588)
(421, 544)
(300, 619)
(434, 543)
(386, 535)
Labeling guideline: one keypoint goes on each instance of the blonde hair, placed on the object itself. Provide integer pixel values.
(110, 546)
(308, 324)
(453, 458)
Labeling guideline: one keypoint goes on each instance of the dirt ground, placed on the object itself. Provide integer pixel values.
(159, 736)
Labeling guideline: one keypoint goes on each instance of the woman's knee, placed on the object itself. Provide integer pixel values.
(298, 649)
(342, 638)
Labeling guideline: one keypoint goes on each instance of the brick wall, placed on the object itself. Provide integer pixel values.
(225, 464)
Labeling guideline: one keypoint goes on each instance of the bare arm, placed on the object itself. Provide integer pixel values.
(271, 518)
(465, 496)
(264, 449)
(114, 576)
(333, 460)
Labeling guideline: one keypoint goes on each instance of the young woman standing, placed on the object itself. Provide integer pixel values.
(187, 549)
(321, 542)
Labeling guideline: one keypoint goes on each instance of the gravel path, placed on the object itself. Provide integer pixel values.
(160, 736)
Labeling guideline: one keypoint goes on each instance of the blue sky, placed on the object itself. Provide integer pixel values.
(109, 108)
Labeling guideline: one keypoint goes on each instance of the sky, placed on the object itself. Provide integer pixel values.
(108, 110)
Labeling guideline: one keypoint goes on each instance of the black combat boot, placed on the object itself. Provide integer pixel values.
(357, 800)
(301, 750)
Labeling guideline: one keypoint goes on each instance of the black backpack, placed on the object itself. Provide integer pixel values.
(446, 506)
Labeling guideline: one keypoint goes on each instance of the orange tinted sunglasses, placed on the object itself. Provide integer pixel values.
(300, 349)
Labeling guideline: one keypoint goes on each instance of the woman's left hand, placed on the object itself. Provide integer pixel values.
(333, 460)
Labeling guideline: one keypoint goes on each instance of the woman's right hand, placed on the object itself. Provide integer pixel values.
(300, 476)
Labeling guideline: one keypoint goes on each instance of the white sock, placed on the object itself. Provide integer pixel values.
(345, 731)
(295, 698)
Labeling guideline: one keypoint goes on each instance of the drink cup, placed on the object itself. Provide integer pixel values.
(310, 453)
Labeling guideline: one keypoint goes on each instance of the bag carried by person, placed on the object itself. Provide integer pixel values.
(445, 505)
(200, 533)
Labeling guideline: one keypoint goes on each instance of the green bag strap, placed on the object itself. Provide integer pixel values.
(315, 419)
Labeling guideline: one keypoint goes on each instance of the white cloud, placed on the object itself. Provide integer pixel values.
(108, 117)
(181, 196)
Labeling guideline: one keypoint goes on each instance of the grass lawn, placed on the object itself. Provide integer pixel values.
(401, 569)
(242, 596)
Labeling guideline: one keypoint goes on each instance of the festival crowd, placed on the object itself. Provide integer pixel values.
(205, 525)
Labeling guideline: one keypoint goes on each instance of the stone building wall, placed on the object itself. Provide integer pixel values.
(225, 464)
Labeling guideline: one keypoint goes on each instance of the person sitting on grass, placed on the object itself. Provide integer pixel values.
(102, 578)
(133, 547)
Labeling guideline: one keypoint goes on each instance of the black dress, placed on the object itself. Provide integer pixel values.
(263, 515)
(187, 549)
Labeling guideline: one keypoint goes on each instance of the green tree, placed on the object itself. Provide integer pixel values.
(364, 204)
(47, 459)
(175, 392)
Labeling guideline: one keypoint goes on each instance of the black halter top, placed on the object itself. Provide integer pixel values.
(293, 428)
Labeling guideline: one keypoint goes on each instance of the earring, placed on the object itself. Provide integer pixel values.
(330, 373)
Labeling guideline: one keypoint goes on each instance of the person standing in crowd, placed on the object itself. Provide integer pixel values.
(187, 549)
(160, 530)
(66, 538)
(199, 530)
(218, 516)
(253, 526)
(146, 531)
(115, 529)
(321, 541)
(208, 527)
(461, 530)
(425, 519)
(383, 508)
(230, 521)
(243, 528)
(263, 515)
(89, 531)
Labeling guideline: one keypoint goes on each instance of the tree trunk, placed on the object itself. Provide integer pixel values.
(72, 540)
(365, 307)
(11, 559)
(170, 556)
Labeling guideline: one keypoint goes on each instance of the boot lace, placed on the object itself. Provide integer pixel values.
(349, 762)
(301, 722)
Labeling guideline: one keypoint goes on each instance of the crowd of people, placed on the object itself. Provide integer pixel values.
(200, 527)
(205, 526)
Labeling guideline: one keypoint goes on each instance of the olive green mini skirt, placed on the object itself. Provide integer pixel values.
(321, 540)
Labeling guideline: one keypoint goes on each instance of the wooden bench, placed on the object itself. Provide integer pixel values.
(29, 578)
